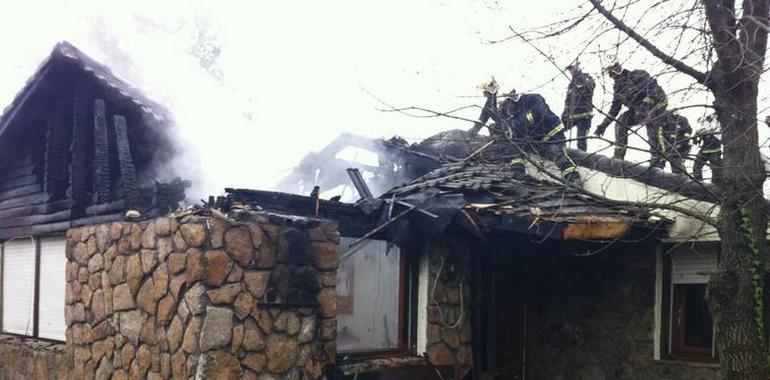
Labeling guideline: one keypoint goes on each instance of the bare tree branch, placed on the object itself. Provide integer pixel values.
(667, 59)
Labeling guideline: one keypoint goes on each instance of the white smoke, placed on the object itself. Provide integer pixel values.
(254, 86)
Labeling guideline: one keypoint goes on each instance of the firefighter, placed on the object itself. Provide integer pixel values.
(710, 150)
(533, 127)
(489, 111)
(673, 137)
(646, 103)
(579, 104)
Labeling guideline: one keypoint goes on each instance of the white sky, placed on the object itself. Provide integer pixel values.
(298, 73)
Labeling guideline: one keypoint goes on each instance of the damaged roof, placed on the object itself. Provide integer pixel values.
(491, 197)
(66, 52)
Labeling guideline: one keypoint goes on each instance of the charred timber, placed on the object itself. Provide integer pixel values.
(38, 229)
(35, 219)
(27, 210)
(22, 171)
(18, 182)
(102, 189)
(33, 199)
(126, 163)
(57, 157)
(20, 192)
(101, 219)
(351, 221)
(80, 166)
(106, 208)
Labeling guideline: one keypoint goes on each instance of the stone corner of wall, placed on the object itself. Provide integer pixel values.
(220, 296)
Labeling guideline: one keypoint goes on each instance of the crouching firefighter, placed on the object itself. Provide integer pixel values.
(646, 102)
(535, 128)
(710, 150)
(578, 105)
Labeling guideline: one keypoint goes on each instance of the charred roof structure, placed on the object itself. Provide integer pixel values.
(80, 146)
(508, 276)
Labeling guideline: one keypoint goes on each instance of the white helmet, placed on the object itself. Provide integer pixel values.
(491, 87)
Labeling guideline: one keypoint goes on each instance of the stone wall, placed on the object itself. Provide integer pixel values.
(195, 296)
(449, 299)
(595, 320)
(22, 358)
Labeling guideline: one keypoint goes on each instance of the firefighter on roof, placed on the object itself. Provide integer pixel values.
(674, 137)
(646, 102)
(578, 105)
(710, 149)
(529, 124)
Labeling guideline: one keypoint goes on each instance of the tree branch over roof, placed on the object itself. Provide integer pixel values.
(667, 59)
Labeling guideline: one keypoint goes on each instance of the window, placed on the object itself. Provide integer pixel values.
(692, 324)
(19, 286)
(33, 287)
(689, 323)
(370, 299)
(53, 264)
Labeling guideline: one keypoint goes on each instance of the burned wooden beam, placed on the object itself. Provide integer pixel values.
(28, 169)
(35, 219)
(128, 178)
(20, 191)
(27, 210)
(38, 229)
(359, 183)
(106, 208)
(352, 222)
(57, 156)
(24, 201)
(80, 167)
(102, 190)
(100, 219)
(18, 182)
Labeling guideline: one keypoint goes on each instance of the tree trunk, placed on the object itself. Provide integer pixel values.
(739, 333)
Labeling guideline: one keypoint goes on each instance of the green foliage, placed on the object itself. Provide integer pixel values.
(757, 274)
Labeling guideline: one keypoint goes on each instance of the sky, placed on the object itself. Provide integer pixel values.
(292, 75)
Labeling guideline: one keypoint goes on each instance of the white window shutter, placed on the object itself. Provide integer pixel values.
(53, 264)
(18, 286)
(692, 267)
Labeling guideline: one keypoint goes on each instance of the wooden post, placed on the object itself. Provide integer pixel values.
(57, 156)
(127, 169)
(80, 168)
(102, 188)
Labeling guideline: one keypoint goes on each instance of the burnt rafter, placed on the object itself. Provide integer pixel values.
(67, 156)
(80, 168)
(127, 168)
(101, 154)
(57, 156)
(351, 220)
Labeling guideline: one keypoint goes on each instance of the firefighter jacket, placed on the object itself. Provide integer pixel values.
(580, 95)
(638, 91)
(531, 119)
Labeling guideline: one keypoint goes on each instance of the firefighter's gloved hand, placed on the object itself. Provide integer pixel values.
(600, 130)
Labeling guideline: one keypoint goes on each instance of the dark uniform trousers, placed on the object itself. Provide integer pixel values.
(583, 124)
(712, 157)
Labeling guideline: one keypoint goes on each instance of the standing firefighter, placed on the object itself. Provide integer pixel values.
(674, 137)
(579, 104)
(646, 103)
(710, 150)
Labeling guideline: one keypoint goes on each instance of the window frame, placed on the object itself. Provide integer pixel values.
(672, 337)
(407, 312)
(36, 292)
